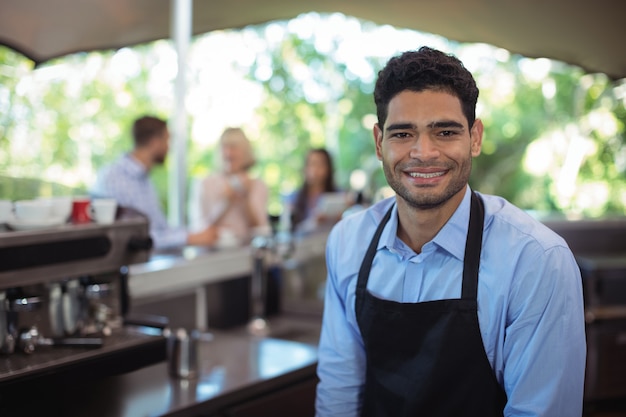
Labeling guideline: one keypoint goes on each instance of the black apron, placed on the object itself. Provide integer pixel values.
(428, 358)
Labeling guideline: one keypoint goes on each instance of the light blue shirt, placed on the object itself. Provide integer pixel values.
(128, 182)
(530, 304)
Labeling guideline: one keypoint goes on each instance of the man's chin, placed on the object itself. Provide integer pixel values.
(423, 197)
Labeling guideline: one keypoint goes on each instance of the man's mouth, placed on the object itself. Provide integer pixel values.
(426, 174)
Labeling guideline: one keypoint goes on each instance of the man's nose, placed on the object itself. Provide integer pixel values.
(424, 147)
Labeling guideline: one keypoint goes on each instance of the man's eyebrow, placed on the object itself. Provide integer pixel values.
(401, 126)
(443, 124)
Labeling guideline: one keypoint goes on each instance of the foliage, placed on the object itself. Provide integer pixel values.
(531, 122)
(322, 111)
(78, 122)
(554, 142)
(518, 108)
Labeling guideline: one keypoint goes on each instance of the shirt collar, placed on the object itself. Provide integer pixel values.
(453, 234)
(451, 237)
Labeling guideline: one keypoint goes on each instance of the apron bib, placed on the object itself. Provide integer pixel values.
(428, 358)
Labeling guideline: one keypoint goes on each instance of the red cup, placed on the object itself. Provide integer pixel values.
(80, 210)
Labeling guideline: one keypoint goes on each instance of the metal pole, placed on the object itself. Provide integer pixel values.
(181, 23)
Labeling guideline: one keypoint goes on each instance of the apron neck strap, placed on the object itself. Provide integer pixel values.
(473, 245)
(366, 265)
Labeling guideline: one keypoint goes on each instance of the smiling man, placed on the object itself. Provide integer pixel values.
(442, 301)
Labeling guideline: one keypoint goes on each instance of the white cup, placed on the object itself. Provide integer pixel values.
(6, 211)
(33, 211)
(61, 206)
(103, 210)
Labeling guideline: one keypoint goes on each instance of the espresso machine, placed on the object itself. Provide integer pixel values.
(64, 302)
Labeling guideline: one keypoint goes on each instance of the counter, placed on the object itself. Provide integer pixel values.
(121, 351)
(194, 266)
(182, 276)
(241, 375)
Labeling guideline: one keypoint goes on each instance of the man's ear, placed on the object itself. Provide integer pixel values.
(476, 137)
(378, 141)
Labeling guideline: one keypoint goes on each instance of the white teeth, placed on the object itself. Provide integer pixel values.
(428, 175)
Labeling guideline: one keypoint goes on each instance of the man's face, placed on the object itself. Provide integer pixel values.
(161, 146)
(426, 148)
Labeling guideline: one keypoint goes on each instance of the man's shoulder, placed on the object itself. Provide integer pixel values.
(116, 176)
(118, 166)
(504, 219)
(364, 222)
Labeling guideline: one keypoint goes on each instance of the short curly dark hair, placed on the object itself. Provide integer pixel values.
(425, 69)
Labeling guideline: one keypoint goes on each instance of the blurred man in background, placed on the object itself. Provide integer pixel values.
(128, 181)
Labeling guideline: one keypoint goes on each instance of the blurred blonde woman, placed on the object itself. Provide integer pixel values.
(231, 199)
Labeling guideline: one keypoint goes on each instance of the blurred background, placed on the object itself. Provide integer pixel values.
(553, 145)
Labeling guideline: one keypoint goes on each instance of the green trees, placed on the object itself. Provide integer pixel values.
(63, 121)
(554, 136)
(556, 143)
(554, 139)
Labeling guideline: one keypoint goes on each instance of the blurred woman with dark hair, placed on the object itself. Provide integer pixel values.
(319, 180)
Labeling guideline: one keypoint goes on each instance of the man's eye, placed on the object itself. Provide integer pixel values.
(400, 135)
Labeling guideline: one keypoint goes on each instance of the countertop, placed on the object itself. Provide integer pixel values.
(197, 266)
(235, 366)
(123, 344)
(188, 271)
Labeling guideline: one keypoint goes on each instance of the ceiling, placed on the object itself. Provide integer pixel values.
(586, 33)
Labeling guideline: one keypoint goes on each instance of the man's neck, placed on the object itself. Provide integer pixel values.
(416, 226)
(144, 158)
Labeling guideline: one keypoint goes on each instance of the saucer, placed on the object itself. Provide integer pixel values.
(22, 225)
